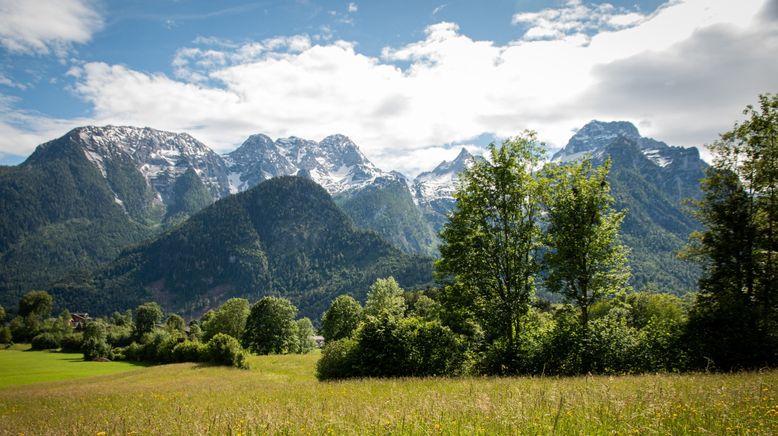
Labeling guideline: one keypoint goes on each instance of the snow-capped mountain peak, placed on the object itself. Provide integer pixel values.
(441, 182)
(595, 136)
(336, 163)
(160, 156)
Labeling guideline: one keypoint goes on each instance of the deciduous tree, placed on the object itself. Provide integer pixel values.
(490, 244)
(341, 319)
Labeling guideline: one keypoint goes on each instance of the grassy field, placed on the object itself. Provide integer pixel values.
(22, 367)
(281, 396)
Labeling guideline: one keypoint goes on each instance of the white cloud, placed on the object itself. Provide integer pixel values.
(576, 21)
(439, 8)
(456, 88)
(46, 26)
(352, 7)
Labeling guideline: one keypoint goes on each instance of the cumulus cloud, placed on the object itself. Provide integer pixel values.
(682, 73)
(576, 21)
(46, 26)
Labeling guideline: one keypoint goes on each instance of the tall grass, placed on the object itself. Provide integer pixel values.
(281, 396)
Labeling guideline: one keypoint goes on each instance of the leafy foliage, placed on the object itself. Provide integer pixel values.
(735, 318)
(270, 327)
(341, 319)
(147, 315)
(230, 319)
(490, 244)
(585, 261)
(385, 295)
(226, 350)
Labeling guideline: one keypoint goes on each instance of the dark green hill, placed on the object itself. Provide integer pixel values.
(58, 215)
(656, 226)
(285, 237)
(388, 209)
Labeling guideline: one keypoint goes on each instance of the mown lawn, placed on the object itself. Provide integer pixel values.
(281, 396)
(18, 367)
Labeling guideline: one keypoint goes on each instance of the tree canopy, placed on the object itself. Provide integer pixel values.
(270, 327)
(489, 249)
(341, 319)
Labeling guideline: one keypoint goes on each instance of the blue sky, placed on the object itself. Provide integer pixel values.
(409, 81)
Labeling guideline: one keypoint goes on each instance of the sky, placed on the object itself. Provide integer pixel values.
(410, 82)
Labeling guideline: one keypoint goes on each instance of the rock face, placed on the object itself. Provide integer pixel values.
(374, 199)
(335, 163)
(434, 190)
(160, 157)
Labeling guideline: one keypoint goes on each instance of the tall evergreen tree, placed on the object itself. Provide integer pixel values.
(735, 319)
(489, 248)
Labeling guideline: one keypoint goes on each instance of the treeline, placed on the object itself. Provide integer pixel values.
(223, 336)
(520, 226)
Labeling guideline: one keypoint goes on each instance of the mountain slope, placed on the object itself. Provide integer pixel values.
(59, 214)
(374, 199)
(433, 190)
(649, 179)
(286, 236)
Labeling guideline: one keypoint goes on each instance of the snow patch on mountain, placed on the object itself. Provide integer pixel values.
(335, 163)
(160, 157)
(441, 182)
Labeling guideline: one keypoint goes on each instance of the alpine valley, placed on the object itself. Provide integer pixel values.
(108, 217)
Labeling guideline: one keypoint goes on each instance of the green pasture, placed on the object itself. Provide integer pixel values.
(280, 395)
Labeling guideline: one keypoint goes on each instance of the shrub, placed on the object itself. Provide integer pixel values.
(190, 351)
(338, 360)
(46, 341)
(95, 344)
(5, 335)
(93, 349)
(134, 352)
(71, 343)
(226, 350)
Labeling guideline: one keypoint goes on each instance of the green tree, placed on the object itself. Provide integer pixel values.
(489, 246)
(304, 331)
(147, 315)
(341, 319)
(195, 332)
(2, 313)
(95, 342)
(270, 327)
(175, 322)
(229, 318)
(734, 321)
(585, 260)
(37, 304)
(385, 295)
(5, 335)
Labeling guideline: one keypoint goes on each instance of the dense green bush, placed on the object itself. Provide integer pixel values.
(95, 344)
(190, 351)
(338, 360)
(71, 343)
(226, 350)
(46, 341)
(386, 346)
(5, 335)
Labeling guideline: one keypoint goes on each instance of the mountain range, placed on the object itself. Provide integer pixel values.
(96, 196)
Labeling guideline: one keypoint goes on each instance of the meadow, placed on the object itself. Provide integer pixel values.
(280, 395)
(18, 366)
